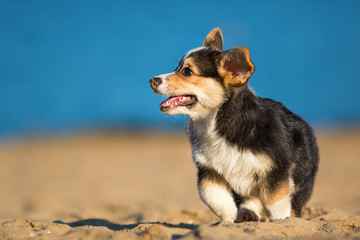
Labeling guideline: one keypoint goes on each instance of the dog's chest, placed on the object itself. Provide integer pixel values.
(242, 169)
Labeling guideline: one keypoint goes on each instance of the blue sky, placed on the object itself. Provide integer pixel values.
(68, 65)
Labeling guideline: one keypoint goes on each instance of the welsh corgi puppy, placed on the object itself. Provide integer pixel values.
(256, 159)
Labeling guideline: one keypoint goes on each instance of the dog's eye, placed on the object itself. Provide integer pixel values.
(187, 72)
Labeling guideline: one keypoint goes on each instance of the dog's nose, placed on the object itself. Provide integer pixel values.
(155, 82)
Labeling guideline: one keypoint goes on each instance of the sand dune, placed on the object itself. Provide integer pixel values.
(143, 186)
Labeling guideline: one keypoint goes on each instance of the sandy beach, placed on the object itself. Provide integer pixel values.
(142, 185)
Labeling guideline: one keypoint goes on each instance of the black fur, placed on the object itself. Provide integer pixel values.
(205, 63)
(263, 125)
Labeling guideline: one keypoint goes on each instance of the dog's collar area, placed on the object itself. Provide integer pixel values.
(175, 101)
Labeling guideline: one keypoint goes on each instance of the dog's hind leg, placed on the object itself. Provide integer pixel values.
(278, 201)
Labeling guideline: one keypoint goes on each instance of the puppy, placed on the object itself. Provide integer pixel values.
(256, 159)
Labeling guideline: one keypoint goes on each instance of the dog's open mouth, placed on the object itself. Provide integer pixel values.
(176, 101)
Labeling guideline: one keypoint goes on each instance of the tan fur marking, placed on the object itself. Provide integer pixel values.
(226, 75)
(281, 191)
(179, 81)
(212, 178)
(292, 213)
(190, 63)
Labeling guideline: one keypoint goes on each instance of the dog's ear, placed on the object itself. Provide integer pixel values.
(235, 66)
(214, 39)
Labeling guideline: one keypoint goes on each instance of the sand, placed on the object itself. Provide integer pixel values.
(126, 185)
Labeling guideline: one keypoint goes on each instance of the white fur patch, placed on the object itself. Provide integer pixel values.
(164, 76)
(192, 51)
(281, 209)
(239, 168)
(220, 201)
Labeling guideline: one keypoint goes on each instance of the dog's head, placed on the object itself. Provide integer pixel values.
(204, 79)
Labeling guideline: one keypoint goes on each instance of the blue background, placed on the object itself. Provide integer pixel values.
(71, 65)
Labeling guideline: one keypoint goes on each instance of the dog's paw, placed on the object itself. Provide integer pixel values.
(246, 215)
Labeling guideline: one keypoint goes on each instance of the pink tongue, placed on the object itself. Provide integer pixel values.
(178, 101)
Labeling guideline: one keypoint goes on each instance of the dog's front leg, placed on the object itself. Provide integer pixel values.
(216, 194)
